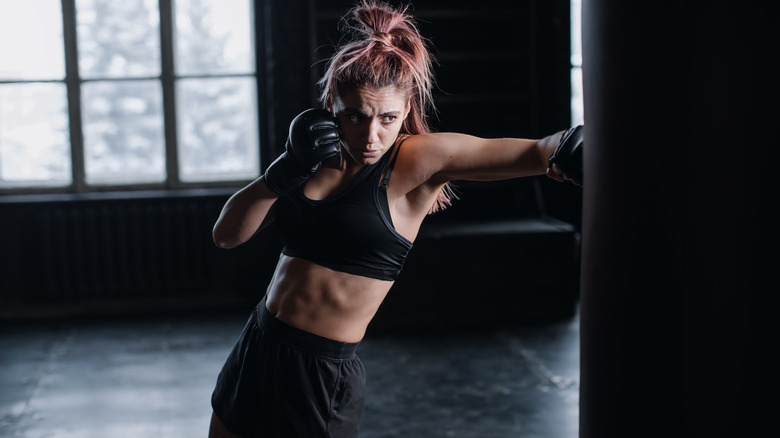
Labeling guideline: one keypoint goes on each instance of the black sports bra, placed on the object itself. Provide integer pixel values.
(351, 232)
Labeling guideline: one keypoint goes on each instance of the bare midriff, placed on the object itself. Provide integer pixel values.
(319, 300)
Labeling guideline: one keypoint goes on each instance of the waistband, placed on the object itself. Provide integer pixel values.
(301, 339)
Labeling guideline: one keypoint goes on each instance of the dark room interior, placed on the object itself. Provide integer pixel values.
(633, 306)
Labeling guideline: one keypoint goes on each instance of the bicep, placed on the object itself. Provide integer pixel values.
(464, 157)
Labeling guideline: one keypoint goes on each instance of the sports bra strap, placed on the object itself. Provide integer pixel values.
(390, 166)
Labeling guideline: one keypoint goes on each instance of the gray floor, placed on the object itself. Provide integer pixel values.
(152, 377)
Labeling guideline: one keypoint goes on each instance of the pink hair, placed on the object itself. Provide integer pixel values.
(385, 49)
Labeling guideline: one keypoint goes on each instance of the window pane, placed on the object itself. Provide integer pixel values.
(214, 37)
(34, 140)
(31, 40)
(118, 39)
(577, 103)
(217, 129)
(576, 33)
(123, 132)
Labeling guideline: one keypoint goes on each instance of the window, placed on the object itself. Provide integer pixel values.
(577, 107)
(101, 94)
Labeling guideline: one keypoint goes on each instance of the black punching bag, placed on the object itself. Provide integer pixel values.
(681, 169)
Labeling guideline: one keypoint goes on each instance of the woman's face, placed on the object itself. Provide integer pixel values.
(370, 120)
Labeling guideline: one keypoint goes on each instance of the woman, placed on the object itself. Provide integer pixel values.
(348, 195)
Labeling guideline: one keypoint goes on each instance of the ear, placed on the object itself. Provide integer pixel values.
(329, 104)
(407, 107)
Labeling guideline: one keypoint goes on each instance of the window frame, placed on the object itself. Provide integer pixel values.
(167, 79)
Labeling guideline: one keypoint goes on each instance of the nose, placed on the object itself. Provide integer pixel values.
(373, 132)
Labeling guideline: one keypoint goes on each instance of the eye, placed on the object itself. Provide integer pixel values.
(353, 118)
(387, 120)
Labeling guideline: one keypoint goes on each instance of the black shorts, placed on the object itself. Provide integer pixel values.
(280, 381)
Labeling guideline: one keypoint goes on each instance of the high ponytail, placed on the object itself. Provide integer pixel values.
(382, 47)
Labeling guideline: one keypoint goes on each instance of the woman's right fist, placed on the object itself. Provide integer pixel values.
(312, 139)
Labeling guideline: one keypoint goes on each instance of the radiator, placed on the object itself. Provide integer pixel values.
(122, 250)
(119, 250)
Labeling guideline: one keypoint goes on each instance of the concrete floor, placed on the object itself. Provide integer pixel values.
(153, 376)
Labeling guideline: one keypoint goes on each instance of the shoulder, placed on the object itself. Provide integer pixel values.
(418, 152)
(421, 157)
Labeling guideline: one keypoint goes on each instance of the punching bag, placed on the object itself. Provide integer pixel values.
(678, 204)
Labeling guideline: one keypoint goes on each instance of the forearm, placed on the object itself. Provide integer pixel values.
(529, 157)
(243, 214)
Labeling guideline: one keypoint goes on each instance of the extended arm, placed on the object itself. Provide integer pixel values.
(448, 156)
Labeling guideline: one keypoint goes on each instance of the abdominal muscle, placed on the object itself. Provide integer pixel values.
(319, 300)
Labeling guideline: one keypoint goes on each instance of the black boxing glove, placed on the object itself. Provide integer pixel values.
(313, 138)
(568, 154)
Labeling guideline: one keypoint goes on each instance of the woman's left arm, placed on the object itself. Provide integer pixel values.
(451, 156)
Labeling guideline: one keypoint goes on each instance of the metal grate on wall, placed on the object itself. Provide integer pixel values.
(156, 249)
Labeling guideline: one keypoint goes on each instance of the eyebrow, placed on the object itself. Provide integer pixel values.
(361, 113)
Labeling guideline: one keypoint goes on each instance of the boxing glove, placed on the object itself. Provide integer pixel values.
(313, 138)
(568, 154)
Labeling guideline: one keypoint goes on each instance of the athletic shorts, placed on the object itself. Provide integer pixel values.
(280, 381)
